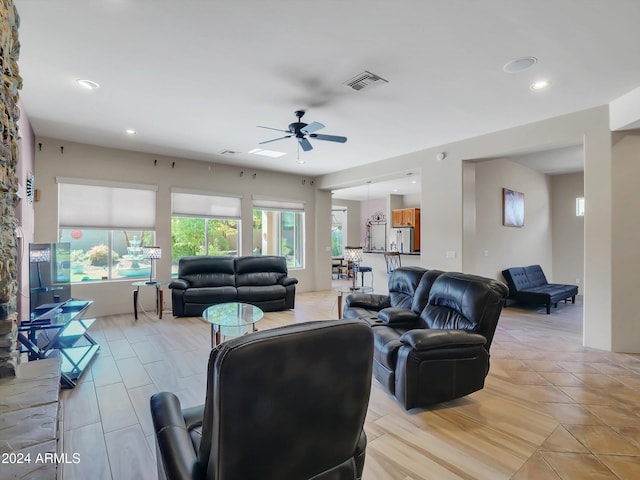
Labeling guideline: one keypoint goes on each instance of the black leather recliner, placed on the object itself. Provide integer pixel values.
(432, 333)
(285, 403)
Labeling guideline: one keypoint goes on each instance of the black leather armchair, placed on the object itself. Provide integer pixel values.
(285, 403)
(435, 347)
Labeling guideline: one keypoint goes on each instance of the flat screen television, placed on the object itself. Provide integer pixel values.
(49, 273)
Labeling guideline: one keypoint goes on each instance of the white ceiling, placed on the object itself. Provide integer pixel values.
(406, 184)
(194, 78)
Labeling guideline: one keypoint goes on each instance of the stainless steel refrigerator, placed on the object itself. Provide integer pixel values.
(403, 239)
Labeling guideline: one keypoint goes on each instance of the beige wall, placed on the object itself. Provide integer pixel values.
(85, 161)
(568, 229)
(442, 199)
(626, 242)
(494, 247)
(24, 211)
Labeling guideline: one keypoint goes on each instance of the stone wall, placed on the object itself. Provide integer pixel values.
(9, 114)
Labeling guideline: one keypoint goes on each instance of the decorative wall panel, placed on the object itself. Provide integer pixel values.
(9, 114)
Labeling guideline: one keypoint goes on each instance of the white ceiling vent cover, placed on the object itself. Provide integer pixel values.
(364, 80)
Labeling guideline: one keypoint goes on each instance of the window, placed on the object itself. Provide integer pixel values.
(337, 232)
(98, 254)
(106, 224)
(278, 229)
(203, 224)
(580, 207)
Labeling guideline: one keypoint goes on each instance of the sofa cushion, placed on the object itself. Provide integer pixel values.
(535, 276)
(403, 284)
(386, 342)
(207, 271)
(260, 271)
(421, 295)
(463, 302)
(210, 295)
(261, 293)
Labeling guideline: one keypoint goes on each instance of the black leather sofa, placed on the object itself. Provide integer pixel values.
(208, 280)
(432, 333)
(529, 285)
(286, 403)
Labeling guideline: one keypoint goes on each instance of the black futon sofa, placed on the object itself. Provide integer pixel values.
(432, 333)
(208, 280)
(529, 285)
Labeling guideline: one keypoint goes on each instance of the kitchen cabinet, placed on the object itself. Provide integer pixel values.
(405, 217)
(408, 217)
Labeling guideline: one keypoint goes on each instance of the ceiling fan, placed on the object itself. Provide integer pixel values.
(301, 130)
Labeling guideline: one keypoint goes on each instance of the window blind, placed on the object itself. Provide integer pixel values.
(204, 205)
(117, 206)
(264, 203)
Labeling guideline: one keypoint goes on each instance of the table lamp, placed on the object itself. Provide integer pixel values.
(353, 255)
(152, 253)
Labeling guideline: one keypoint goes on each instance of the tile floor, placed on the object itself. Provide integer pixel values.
(551, 409)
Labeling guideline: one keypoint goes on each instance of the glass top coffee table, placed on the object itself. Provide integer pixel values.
(231, 319)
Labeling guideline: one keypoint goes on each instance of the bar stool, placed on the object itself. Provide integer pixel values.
(362, 269)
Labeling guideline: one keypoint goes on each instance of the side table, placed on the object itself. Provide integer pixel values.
(159, 296)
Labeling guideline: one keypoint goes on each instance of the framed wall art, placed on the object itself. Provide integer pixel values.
(512, 208)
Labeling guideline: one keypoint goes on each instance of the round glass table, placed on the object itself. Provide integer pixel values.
(231, 319)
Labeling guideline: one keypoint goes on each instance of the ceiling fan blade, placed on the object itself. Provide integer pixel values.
(329, 138)
(276, 129)
(274, 140)
(304, 143)
(312, 127)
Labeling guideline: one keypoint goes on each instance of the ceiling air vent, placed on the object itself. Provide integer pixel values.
(228, 152)
(364, 80)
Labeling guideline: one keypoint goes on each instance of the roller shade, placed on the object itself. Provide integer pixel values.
(263, 203)
(116, 206)
(203, 205)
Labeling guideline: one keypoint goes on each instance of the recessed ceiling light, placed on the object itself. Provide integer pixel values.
(519, 64)
(88, 84)
(130, 131)
(541, 85)
(414, 181)
(267, 153)
(301, 162)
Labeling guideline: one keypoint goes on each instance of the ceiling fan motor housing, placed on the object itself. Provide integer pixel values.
(296, 128)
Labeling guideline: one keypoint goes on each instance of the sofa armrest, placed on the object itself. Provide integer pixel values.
(179, 283)
(370, 301)
(286, 281)
(431, 339)
(177, 455)
(395, 316)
